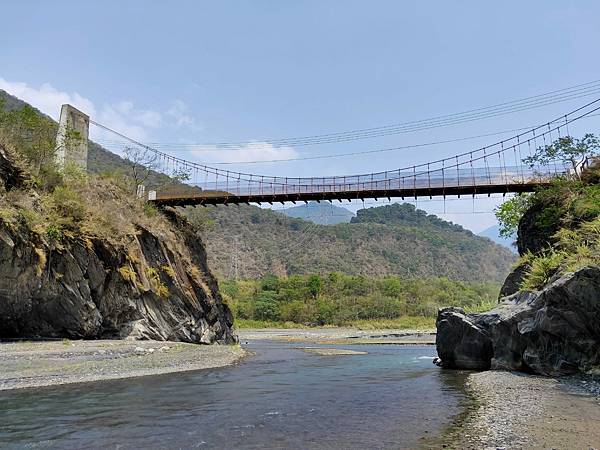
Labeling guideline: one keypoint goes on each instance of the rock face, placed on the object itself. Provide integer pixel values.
(90, 289)
(552, 332)
(513, 281)
(461, 343)
(531, 235)
(153, 285)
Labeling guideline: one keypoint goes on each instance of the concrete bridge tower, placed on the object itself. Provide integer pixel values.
(72, 138)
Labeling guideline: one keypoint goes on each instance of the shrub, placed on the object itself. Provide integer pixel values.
(266, 306)
(128, 274)
(68, 203)
(150, 210)
(168, 270)
(156, 283)
(541, 269)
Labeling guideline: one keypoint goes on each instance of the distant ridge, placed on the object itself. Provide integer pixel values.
(322, 213)
(493, 234)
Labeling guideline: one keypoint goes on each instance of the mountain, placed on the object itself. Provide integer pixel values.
(322, 213)
(402, 213)
(493, 233)
(249, 242)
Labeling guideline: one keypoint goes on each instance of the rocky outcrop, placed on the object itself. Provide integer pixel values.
(10, 174)
(150, 282)
(552, 331)
(154, 289)
(461, 342)
(536, 228)
(513, 281)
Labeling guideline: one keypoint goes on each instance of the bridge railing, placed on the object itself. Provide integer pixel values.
(402, 181)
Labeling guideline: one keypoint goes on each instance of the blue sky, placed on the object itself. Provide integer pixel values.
(192, 71)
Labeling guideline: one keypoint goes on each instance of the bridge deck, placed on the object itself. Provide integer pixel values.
(223, 198)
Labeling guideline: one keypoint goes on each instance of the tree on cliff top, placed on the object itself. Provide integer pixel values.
(567, 150)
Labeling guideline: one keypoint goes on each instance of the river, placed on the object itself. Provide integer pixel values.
(282, 397)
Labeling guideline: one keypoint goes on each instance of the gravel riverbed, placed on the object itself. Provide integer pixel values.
(43, 363)
(517, 411)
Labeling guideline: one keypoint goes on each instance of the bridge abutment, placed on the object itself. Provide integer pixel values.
(72, 138)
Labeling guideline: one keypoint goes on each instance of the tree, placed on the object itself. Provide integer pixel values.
(510, 212)
(199, 218)
(266, 306)
(33, 135)
(141, 163)
(567, 150)
(315, 284)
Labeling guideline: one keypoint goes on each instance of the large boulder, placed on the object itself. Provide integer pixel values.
(461, 343)
(552, 331)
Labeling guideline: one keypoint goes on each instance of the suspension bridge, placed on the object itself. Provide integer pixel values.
(494, 169)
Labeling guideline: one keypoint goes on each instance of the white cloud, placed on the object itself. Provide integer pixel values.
(179, 112)
(46, 98)
(254, 151)
(113, 116)
(122, 116)
(150, 119)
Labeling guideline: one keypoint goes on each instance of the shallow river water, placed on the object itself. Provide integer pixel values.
(282, 397)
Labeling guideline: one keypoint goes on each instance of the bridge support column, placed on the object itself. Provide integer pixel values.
(72, 138)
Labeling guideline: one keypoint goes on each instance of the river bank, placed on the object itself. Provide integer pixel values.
(339, 336)
(26, 364)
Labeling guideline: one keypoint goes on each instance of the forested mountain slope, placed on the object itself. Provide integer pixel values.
(248, 242)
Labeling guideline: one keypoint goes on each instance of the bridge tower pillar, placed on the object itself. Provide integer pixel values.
(72, 138)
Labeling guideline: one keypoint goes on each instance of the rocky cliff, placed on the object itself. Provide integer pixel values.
(552, 331)
(548, 317)
(148, 279)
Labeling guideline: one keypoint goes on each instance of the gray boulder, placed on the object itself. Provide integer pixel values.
(513, 281)
(553, 331)
(461, 343)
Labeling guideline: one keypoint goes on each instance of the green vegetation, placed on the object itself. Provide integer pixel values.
(34, 135)
(566, 149)
(564, 216)
(404, 213)
(337, 299)
(510, 212)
